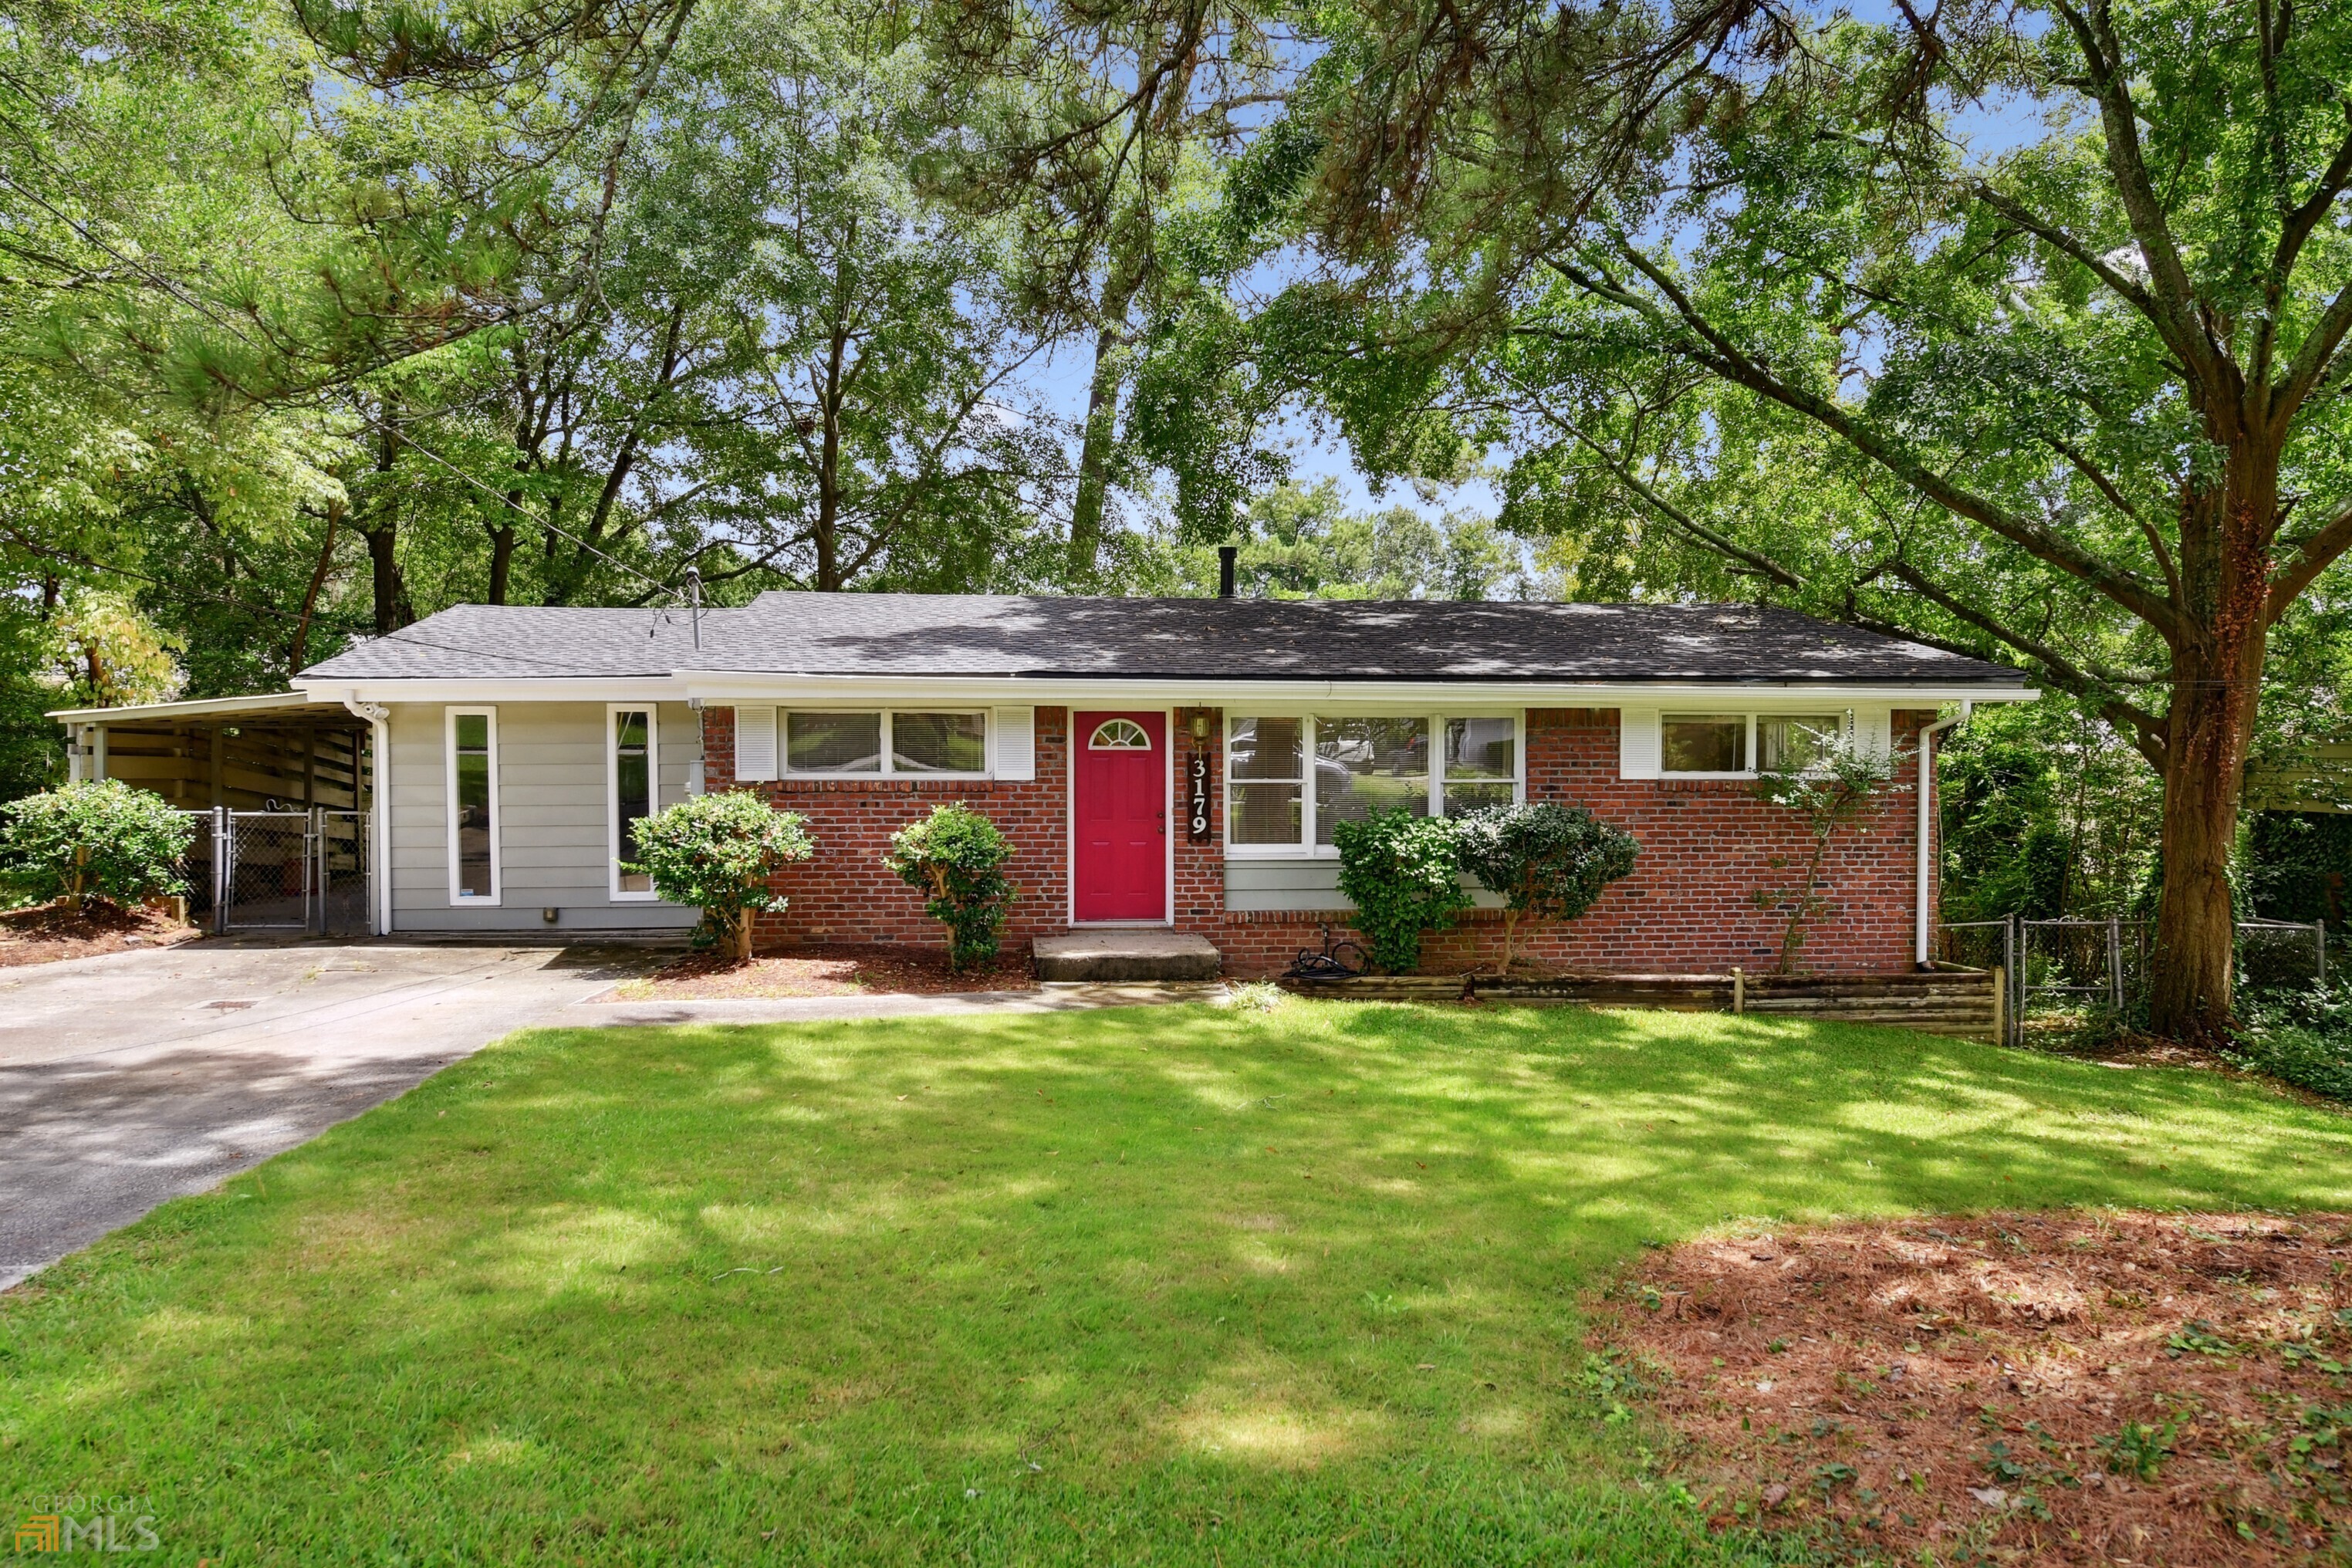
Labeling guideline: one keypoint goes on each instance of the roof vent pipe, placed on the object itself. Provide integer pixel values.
(1225, 556)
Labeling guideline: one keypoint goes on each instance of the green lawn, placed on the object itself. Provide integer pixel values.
(1175, 1285)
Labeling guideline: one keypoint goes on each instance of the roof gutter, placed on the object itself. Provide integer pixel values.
(1927, 839)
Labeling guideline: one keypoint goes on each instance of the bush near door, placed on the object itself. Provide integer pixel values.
(956, 857)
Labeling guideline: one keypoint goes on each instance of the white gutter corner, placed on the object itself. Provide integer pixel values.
(1926, 838)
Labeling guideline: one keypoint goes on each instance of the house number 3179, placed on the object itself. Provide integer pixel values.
(1196, 807)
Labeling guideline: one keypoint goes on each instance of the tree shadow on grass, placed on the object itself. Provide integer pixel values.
(924, 1287)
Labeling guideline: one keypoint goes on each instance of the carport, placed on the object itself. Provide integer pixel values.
(283, 786)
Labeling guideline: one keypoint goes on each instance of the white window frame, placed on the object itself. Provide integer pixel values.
(449, 801)
(1755, 717)
(652, 710)
(890, 770)
(1310, 722)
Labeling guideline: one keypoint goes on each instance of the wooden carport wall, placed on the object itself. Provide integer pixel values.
(284, 748)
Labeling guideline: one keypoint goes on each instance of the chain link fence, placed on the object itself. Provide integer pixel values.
(279, 870)
(2066, 977)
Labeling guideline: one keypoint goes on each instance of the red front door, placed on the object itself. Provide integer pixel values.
(1119, 773)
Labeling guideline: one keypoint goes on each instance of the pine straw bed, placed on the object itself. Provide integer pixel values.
(2105, 1387)
(829, 969)
(47, 932)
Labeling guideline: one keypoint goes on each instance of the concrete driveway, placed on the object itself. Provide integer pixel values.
(137, 1076)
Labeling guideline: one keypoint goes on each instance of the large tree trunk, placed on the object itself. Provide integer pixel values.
(1094, 460)
(502, 548)
(1120, 288)
(380, 528)
(2216, 669)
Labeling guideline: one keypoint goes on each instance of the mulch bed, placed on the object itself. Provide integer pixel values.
(2095, 1387)
(829, 969)
(46, 933)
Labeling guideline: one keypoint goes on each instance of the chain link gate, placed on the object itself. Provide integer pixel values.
(279, 870)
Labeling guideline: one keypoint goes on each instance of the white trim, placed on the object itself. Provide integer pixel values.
(1166, 751)
(613, 792)
(1310, 729)
(194, 708)
(1095, 742)
(1868, 726)
(449, 716)
(756, 764)
(1925, 897)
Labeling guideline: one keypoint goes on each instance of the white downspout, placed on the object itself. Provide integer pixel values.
(1927, 838)
(379, 807)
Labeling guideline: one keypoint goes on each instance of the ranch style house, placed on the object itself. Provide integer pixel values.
(1171, 764)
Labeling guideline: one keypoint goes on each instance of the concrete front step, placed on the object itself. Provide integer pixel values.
(1115, 955)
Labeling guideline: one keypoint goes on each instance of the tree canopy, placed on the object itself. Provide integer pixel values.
(2015, 328)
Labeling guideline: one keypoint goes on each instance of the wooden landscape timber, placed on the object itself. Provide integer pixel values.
(1960, 1003)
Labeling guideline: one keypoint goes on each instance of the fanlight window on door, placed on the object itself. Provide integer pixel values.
(1119, 735)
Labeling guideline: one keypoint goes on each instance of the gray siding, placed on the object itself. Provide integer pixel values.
(552, 834)
(1302, 884)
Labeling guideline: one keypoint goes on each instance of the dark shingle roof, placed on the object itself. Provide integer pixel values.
(1313, 639)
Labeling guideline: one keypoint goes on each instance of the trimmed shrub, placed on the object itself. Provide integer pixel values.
(716, 853)
(955, 858)
(103, 839)
(1401, 872)
(1548, 862)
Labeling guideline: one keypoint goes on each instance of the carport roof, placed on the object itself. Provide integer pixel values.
(269, 705)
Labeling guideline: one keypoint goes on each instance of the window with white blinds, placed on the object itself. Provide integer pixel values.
(773, 742)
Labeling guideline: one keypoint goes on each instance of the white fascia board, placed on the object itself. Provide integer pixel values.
(194, 708)
(720, 689)
(578, 689)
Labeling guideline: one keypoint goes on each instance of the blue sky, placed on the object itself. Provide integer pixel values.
(1060, 380)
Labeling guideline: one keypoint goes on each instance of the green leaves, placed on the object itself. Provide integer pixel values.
(1834, 789)
(1401, 872)
(1548, 862)
(955, 856)
(104, 839)
(717, 852)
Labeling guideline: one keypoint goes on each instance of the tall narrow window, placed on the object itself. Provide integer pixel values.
(634, 762)
(1264, 759)
(473, 806)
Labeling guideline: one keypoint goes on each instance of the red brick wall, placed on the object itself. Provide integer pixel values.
(843, 893)
(1707, 848)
